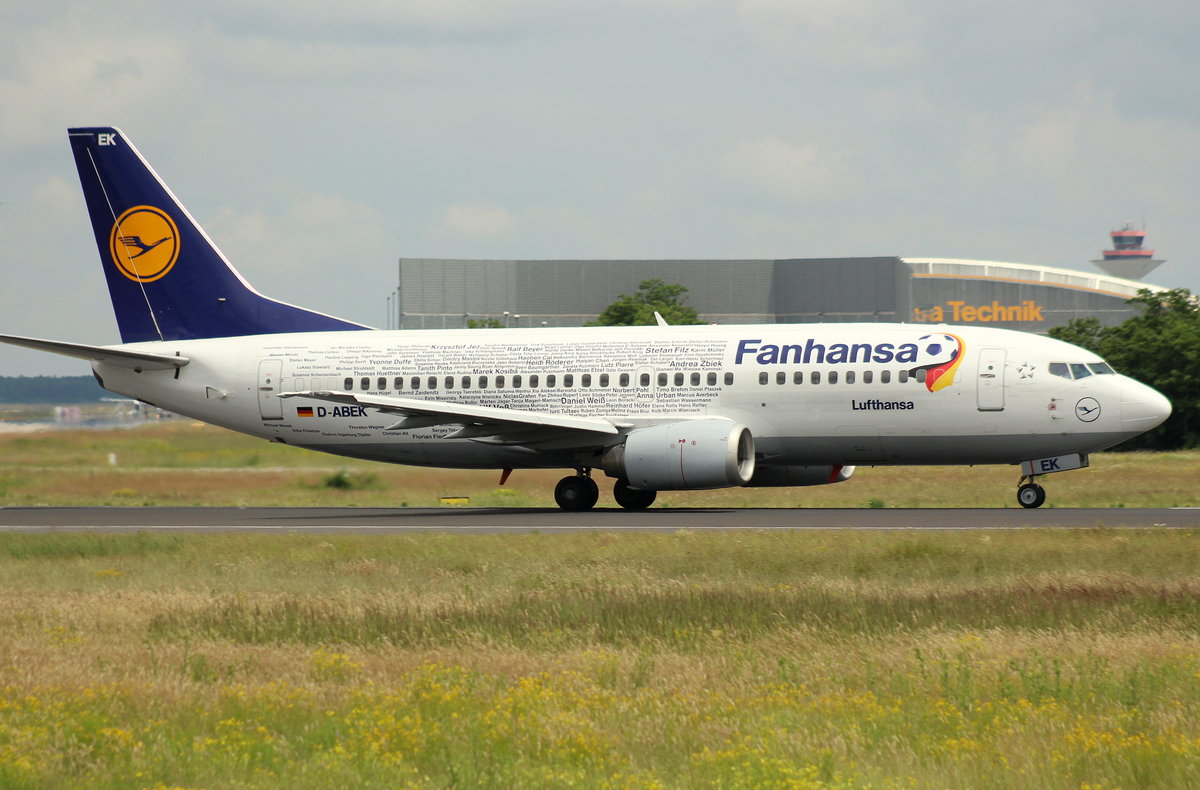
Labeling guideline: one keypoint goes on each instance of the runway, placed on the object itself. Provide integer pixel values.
(523, 520)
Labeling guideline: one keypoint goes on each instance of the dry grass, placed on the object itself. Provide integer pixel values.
(193, 464)
(1050, 659)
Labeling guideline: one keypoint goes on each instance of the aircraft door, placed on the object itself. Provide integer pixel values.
(989, 387)
(270, 372)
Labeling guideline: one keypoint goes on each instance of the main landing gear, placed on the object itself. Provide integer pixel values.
(577, 492)
(580, 492)
(1030, 494)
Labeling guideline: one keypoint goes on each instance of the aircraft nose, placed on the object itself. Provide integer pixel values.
(1142, 407)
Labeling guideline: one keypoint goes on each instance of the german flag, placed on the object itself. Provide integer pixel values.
(304, 411)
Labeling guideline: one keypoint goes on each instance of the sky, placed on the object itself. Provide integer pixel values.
(319, 142)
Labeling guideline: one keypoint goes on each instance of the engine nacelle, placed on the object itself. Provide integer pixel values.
(818, 475)
(688, 454)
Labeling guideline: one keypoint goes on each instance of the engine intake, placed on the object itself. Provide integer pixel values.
(688, 454)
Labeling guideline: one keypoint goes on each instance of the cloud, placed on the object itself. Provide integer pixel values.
(432, 19)
(870, 34)
(477, 219)
(1083, 149)
(314, 235)
(799, 173)
(308, 60)
(84, 66)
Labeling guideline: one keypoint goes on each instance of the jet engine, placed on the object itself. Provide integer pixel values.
(688, 454)
(817, 475)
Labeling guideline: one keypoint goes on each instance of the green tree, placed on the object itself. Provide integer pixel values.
(484, 323)
(638, 309)
(1159, 347)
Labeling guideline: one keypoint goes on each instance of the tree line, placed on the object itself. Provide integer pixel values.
(50, 389)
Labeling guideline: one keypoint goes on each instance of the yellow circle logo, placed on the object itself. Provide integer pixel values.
(144, 243)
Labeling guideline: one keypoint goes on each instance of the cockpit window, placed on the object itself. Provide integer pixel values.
(1079, 371)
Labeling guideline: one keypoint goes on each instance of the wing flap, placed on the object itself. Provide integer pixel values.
(478, 422)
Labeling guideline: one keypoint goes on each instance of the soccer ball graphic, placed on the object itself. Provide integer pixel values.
(937, 349)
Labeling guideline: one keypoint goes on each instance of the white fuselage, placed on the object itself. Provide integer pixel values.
(809, 393)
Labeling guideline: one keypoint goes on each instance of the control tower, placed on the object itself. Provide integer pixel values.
(1127, 259)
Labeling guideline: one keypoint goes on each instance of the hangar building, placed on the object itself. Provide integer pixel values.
(441, 293)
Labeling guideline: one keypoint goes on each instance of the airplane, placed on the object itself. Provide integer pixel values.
(660, 408)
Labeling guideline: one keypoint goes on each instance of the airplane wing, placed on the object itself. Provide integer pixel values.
(137, 360)
(482, 423)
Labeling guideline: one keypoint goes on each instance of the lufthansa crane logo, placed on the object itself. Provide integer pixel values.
(1088, 409)
(144, 243)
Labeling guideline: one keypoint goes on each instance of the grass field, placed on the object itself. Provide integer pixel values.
(1067, 660)
(1047, 659)
(186, 463)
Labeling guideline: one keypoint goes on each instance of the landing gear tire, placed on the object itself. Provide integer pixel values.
(576, 493)
(632, 498)
(1031, 495)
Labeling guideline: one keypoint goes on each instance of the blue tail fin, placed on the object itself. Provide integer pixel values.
(167, 280)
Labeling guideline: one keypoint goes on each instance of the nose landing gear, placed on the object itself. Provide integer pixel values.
(1030, 494)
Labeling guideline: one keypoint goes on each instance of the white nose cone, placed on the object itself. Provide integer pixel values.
(1142, 407)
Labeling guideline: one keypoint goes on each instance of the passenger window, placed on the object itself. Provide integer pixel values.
(348, 384)
(798, 377)
(849, 376)
(711, 379)
(763, 377)
(1080, 371)
(1060, 369)
(833, 377)
(867, 374)
(415, 384)
(466, 382)
(551, 379)
(728, 379)
(533, 380)
(903, 377)
(499, 382)
(585, 380)
(624, 380)
(921, 375)
(644, 380)
(398, 383)
(449, 382)
(885, 377)
(815, 378)
(432, 382)
(603, 379)
(381, 383)
(517, 381)
(781, 378)
(679, 379)
(364, 383)
(1101, 369)
(695, 380)
(568, 379)
(483, 382)
(662, 379)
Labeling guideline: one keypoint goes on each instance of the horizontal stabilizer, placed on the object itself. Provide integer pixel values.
(138, 360)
